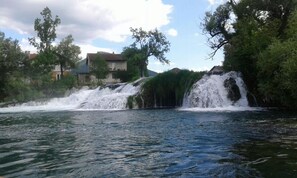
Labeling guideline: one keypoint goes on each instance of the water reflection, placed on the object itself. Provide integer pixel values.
(273, 152)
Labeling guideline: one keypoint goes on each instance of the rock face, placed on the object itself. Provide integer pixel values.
(232, 89)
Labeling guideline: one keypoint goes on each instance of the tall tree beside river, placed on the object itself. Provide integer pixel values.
(46, 33)
(67, 54)
(12, 61)
(248, 30)
(147, 44)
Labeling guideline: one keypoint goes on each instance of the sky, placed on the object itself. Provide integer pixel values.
(103, 25)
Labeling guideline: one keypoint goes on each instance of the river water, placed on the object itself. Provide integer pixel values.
(148, 143)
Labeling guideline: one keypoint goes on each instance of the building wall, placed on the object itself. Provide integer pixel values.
(56, 75)
(83, 79)
(109, 79)
(117, 65)
(112, 65)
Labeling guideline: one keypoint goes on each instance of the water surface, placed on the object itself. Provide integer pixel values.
(148, 143)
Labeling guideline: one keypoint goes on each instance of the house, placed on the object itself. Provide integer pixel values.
(216, 70)
(114, 61)
(56, 72)
(31, 56)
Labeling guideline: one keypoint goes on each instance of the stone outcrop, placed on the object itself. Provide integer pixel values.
(232, 89)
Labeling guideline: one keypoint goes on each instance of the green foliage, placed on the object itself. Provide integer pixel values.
(216, 26)
(130, 102)
(11, 60)
(277, 73)
(43, 64)
(122, 75)
(67, 54)
(256, 36)
(19, 90)
(22, 79)
(133, 57)
(46, 31)
(59, 87)
(99, 67)
(147, 44)
(168, 89)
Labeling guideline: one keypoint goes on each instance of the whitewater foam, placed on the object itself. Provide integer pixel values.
(112, 97)
(209, 92)
(222, 109)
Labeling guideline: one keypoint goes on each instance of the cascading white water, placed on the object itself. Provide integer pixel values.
(113, 97)
(209, 92)
(110, 99)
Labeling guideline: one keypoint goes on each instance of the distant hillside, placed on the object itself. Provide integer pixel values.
(151, 73)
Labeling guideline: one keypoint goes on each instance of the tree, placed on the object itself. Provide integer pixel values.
(134, 59)
(221, 25)
(11, 62)
(46, 32)
(67, 53)
(99, 67)
(217, 25)
(244, 30)
(277, 66)
(147, 44)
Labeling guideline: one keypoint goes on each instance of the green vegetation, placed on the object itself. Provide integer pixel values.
(166, 89)
(11, 58)
(23, 78)
(46, 33)
(147, 44)
(66, 54)
(99, 68)
(277, 67)
(133, 70)
(258, 39)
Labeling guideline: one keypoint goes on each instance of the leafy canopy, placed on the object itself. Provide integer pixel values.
(99, 67)
(147, 44)
(67, 53)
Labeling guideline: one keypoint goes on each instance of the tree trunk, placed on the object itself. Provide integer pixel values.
(62, 71)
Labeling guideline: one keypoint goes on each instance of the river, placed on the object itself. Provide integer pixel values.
(148, 143)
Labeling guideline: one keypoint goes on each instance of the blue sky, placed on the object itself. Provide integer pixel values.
(101, 25)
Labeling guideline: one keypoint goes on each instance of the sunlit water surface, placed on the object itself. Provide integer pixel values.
(148, 143)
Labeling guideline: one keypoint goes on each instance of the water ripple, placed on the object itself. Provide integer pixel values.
(157, 143)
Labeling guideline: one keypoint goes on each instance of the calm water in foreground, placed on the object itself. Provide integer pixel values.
(148, 143)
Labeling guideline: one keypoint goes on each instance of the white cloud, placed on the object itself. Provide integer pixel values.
(172, 32)
(212, 2)
(25, 46)
(87, 20)
(216, 2)
(87, 48)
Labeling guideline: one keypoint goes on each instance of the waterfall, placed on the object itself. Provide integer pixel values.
(211, 92)
(110, 97)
